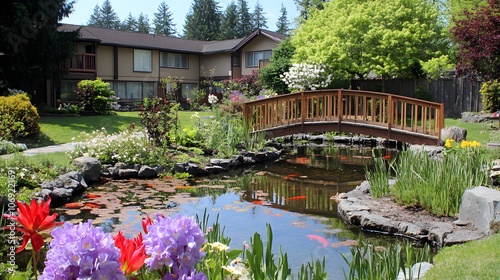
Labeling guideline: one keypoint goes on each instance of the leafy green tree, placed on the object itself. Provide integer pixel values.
(32, 49)
(163, 21)
(282, 26)
(229, 21)
(203, 21)
(281, 61)
(477, 36)
(245, 25)
(143, 24)
(356, 37)
(259, 17)
(104, 17)
(130, 23)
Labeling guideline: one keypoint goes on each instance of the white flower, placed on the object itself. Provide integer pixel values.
(212, 99)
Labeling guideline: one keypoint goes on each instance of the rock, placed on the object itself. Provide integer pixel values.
(127, 173)
(438, 232)
(214, 169)
(65, 187)
(481, 207)
(461, 236)
(122, 165)
(180, 167)
(90, 167)
(146, 172)
(195, 170)
(378, 223)
(452, 132)
(418, 270)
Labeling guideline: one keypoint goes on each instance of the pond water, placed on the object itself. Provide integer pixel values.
(293, 195)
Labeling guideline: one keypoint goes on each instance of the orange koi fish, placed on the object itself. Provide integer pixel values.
(257, 201)
(320, 239)
(299, 197)
(92, 205)
(90, 195)
(73, 205)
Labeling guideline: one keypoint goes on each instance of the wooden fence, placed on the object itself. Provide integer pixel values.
(458, 94)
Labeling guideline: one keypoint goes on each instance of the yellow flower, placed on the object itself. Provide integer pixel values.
(449, 143)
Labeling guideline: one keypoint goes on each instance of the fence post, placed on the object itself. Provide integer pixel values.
(302, 110)
(340, 109)
(390, 117)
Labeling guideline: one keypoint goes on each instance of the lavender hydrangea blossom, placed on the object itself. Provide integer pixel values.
(82, 251)
(175, 243)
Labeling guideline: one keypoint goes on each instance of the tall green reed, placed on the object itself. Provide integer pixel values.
(437, 184)
(379, 177)
(370, 262)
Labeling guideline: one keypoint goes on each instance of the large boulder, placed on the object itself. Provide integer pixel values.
(90, 167)
(452, 132)
(481, 207)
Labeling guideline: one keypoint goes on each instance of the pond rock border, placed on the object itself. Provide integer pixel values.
(358, 208)
(73, 183)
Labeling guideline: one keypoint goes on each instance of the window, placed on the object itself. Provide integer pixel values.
(142, 61)
(134, 90)
(254, 57)
(174, 60)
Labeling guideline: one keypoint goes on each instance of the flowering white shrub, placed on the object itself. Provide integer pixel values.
(127, 146)
(212, 99)
(303, 76)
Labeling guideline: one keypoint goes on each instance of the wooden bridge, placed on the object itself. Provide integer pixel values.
(377, 114)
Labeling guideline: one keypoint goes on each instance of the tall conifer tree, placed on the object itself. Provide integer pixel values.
(229, 21)
(259, 17)
(104, 17)
(245, 24)
(282, 26)
(130, 23)
(143, 24)
(163, 21)
(203, 21)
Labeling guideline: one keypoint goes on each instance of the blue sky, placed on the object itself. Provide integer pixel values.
(84, 8)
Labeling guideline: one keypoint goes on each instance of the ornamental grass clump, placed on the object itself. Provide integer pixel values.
(437, 184)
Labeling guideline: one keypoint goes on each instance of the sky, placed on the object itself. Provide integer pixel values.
(82, 9)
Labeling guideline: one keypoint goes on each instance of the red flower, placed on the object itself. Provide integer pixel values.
(133, 253)
(33, 219)
(145, 223)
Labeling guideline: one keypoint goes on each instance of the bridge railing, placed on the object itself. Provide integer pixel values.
(361, 108)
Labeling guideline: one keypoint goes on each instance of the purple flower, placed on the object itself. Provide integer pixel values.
(82, 251)
(173, 242)
(185, 274)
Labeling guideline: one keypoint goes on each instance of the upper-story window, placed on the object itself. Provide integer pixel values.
(174, 60)
(254, 57)
(142, 61)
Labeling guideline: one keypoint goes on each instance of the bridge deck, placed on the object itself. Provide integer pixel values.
(371, 113)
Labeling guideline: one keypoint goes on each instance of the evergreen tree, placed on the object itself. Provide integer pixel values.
(95, 17)
(306, 7)
(245, 24)
(130, 23)
(109, 17)
(104, 17)
(229, 21)
(32, 47)
(163, 21)
(143, 24)
(203, 21)
(282, 25)
(259, 17)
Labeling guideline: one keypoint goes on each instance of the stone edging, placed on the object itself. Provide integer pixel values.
(358, 208)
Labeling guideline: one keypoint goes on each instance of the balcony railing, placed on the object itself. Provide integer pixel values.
(81, 62)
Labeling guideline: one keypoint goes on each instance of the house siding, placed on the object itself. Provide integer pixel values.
(260, 43)
(126, 66)
(220, 63)
(190, 75)
(104, 62)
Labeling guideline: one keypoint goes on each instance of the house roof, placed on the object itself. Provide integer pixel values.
(122, 38)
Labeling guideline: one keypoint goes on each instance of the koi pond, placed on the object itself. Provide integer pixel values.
(293, 195)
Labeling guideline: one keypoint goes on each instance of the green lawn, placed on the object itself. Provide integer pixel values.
(61, 129)
(473, 260)
(475, 131)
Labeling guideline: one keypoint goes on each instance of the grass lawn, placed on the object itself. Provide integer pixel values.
(475, 131)
(473, 260)
(61, 129)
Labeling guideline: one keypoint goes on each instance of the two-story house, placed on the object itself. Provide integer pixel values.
(133, 63)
